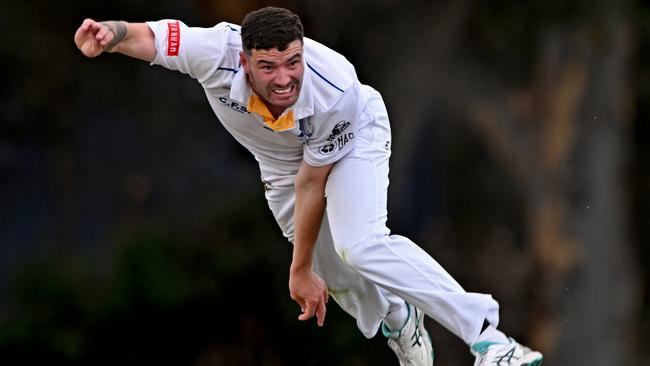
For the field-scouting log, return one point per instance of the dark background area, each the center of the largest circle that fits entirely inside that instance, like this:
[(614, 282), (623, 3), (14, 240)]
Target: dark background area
[(134, 229)]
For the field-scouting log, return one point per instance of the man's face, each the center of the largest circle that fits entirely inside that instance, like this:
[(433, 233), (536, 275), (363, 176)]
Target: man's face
[(275, 76)]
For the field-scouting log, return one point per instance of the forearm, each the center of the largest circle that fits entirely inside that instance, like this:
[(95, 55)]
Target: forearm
[(308, 216), (308, 212), (132, 39), (305, 286)]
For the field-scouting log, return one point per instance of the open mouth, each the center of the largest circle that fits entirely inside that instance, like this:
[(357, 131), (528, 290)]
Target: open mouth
[(284, 91)]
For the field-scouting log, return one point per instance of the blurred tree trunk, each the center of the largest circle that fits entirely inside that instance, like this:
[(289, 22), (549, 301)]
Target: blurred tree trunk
[(573, 173), (564, 139)]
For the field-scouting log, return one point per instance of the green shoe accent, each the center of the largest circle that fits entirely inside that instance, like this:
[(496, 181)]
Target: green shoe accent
[(481, 347), (433, 353)]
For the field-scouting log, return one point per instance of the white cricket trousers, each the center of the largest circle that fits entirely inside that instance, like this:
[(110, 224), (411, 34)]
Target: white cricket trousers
[(368, 271)]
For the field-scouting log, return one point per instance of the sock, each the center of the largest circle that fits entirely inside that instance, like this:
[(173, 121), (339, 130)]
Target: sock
[(492, 334), (396, 319)]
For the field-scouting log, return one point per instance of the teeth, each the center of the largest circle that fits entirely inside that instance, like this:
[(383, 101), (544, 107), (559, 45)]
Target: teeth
[(282, 91)]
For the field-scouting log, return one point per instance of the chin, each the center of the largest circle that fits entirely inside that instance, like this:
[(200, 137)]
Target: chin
[(286, 104)]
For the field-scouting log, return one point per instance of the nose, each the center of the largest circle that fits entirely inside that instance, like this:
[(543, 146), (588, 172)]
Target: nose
[(282, 77)]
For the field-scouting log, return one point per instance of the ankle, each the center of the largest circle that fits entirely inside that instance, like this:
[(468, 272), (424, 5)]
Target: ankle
[(492, 334), (397, 318)]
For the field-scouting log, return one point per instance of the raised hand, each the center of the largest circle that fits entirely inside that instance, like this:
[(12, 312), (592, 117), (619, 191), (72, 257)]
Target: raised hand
[(92, 38)]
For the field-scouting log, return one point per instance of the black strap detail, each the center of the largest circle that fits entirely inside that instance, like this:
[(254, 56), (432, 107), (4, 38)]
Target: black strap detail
[(485, 326)]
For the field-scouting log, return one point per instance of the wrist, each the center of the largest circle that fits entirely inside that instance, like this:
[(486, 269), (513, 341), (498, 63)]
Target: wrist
[(119, 30), (298, 267), (301, 259)]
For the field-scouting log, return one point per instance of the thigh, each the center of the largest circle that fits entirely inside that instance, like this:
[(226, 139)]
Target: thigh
[(356, 193), (357, 186), (360, 298)]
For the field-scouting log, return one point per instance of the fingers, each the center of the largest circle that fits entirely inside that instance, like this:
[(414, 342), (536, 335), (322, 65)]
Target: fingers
[(320, 313), (103, 34), (82, 32), (314, 308), (106, 36), (311, 294), (301, 302), (89, 26), (90, 39), (87, 23), (309, 311), (94, 26)]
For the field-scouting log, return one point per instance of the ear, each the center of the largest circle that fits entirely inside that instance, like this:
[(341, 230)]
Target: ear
[(243, 59)]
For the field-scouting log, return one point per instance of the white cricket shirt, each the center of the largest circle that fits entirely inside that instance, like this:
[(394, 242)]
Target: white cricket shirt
[(320, 127)]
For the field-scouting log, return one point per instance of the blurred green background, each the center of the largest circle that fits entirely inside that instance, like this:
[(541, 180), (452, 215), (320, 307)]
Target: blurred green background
[(134, 230)]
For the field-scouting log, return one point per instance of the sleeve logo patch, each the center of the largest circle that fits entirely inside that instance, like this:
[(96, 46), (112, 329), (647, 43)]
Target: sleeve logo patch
[(337, 139), (306, 130), (338, 129), (173, 38)]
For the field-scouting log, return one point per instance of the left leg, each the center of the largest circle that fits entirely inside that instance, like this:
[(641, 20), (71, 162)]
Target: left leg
[(356, 208), (356, 193)]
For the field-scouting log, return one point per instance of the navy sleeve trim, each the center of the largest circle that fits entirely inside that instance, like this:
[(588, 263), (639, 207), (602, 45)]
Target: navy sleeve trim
[(322, 77), (231, 28)]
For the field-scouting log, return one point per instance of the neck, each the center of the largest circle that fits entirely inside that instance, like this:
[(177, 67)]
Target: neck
[(275, 110)]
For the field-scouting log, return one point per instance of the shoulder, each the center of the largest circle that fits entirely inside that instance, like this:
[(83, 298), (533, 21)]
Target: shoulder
[(330, 72), (223, 35)]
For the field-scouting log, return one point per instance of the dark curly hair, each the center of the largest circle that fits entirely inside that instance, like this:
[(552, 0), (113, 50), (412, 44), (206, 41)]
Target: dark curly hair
[(270, 27)]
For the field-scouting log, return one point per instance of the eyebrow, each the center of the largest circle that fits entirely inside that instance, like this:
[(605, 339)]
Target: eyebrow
[(296, 55), (265, 62)]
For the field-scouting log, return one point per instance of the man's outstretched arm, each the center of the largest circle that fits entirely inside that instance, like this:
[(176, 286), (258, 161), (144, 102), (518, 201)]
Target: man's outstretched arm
[(306, 288), (132, 39)]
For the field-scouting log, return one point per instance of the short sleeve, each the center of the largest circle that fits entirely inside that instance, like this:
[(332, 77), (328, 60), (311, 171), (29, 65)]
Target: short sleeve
[(198, 52), (334, 131)]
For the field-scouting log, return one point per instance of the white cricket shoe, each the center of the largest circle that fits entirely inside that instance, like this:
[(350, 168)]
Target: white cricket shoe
[(412, 343), (505, 354)]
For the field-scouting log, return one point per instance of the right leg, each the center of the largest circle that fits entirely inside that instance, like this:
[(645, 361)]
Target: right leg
[(360, 298), (365, 301), (369, 304)]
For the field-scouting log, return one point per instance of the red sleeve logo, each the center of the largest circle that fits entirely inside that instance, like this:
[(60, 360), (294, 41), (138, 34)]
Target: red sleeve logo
[(173, 38)]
